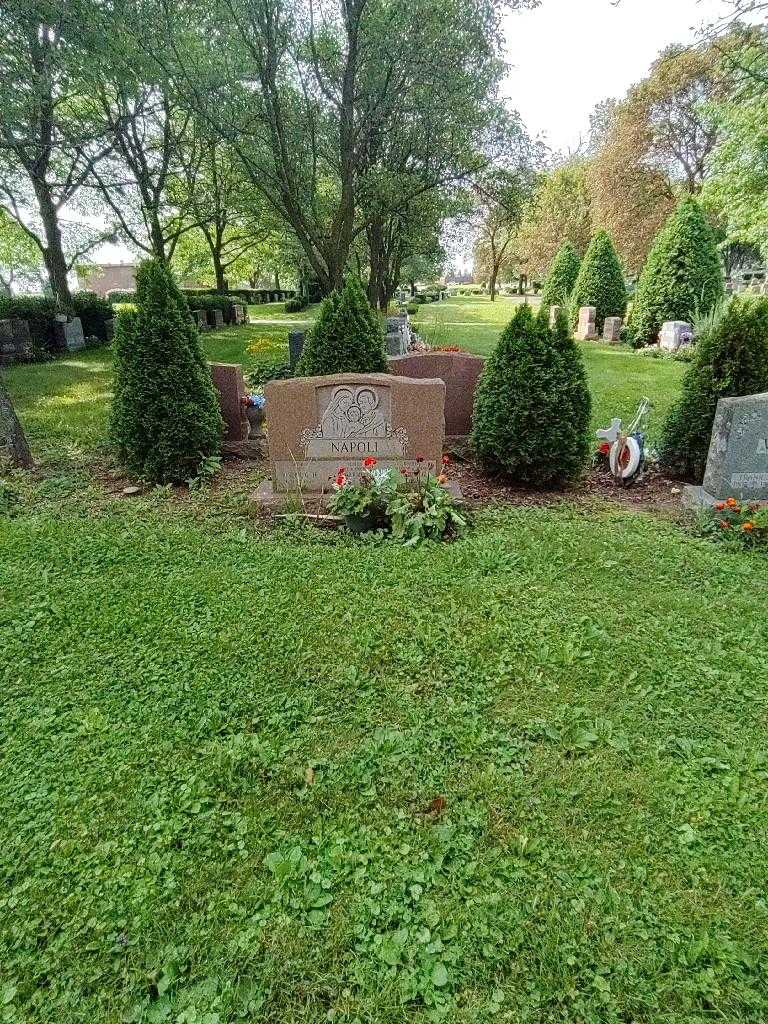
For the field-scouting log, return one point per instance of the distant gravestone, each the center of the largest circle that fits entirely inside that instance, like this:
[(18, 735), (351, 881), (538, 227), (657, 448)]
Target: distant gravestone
[(587, 329), (554, 313), (68, 334), (22, 337), (217, 318), (612, 329), (295, 346), (737, 464), (317, 424), (241, 314), (459, 370), (201, 318), (109, 328), (675, 334)]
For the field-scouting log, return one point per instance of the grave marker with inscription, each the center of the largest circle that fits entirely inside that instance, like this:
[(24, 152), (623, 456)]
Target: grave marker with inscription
[(317, 424), (737, 464)]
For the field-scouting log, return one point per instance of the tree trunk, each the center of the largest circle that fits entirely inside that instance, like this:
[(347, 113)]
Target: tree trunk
[(53, 254), (492, 283), (13, 443), (218, 270), (277, 281)]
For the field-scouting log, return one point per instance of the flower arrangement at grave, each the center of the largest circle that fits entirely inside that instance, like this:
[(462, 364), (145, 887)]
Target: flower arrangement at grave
[(411, 506), (742, 524)]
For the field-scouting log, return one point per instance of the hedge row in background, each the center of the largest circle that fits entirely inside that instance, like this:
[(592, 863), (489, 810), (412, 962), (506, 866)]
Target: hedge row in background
[(194, 298), (40, 312)]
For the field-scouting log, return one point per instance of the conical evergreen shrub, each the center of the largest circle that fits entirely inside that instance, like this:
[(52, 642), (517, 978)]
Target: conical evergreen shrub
[(682, 276), (561, 277), (347, 336), (165, 415), (600, 282), (731, 360), (532, 408)]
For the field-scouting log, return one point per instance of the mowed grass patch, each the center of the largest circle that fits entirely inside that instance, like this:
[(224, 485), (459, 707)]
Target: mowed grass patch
[(299, 778)]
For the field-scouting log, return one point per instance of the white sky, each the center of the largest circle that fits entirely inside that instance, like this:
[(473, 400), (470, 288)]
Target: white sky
[(567, 55)]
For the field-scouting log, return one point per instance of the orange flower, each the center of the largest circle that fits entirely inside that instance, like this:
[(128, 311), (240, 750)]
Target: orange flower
[(724, 524), (442, 479), (720, 505), (748, 526), (732, 503)]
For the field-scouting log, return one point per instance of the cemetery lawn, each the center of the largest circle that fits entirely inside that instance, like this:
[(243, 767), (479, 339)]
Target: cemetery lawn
[(282, 776)]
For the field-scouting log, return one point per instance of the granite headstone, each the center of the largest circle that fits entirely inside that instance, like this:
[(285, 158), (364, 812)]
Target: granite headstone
[(317, 424), (737, 464)]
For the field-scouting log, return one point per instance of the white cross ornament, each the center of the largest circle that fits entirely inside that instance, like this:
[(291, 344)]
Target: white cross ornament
[(611, 434)]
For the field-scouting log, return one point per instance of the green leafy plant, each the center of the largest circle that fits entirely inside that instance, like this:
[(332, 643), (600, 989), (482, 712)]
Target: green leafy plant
[(561, 277), (347, 336), (682, 276), (532, 407), (413, 507), (730, 359), (165, 418), (743, 524), (600, 282), (209, 467)]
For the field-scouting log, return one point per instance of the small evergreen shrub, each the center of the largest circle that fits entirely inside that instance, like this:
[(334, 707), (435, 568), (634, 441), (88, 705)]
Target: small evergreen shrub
[(682, 277), (165, 420), (730, 360), (296, 305), (532, 408), (561, 277), (600, 282), (347, 336)]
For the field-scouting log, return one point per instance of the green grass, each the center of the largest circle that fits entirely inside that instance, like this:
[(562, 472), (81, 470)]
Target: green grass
[(219, 741), (64, 404), (218, 745)]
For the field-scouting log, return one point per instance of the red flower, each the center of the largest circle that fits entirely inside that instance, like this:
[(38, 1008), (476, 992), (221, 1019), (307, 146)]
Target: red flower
[(370, 462), (724, 524), (446, 460), (719, 506), (419, 458)]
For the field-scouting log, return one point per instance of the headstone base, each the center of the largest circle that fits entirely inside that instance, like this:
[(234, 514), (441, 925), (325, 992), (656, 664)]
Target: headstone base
[(270, 500), (695, 497)]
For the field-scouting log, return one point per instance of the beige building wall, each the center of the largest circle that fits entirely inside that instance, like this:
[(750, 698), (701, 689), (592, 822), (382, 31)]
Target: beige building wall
[(104, 277)]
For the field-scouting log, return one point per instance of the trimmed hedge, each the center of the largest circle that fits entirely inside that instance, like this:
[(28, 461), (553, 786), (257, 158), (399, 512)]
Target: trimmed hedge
[(730, 360), (682, 277), (94, 311), (532, 407), (296, 305), (600, 282), (347, 336), (195, 299), (165, 418)]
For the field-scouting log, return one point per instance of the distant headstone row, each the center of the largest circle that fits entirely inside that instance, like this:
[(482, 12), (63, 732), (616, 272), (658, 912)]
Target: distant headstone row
[(213, 319), (16, 338)]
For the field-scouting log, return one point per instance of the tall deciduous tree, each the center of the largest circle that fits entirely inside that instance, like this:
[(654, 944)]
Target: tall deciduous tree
[(49, 141), (560, 211), (326, 105)]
